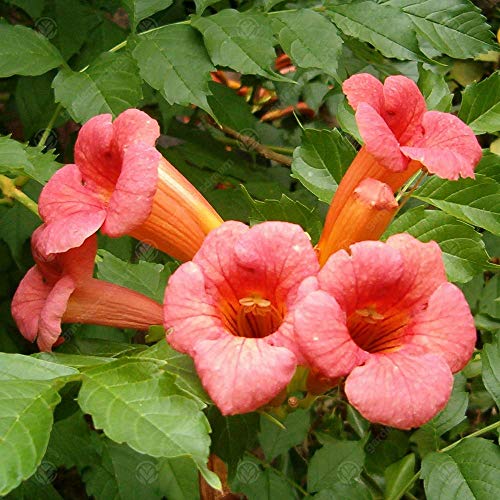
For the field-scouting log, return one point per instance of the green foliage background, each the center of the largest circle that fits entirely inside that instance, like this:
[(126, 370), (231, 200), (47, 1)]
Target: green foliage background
[(110, 414)]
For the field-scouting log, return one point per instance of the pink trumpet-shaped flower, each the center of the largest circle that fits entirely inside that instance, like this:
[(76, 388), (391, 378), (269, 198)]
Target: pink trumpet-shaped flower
[(60, 289), (385, 317), (122, 185), (231, 309), (396, 127)]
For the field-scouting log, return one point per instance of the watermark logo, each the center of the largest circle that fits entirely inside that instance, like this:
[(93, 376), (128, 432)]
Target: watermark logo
[(248, 139), (146, 24), (348, 472), (248, 27), (145, 250), (46, 473), (46, 26), (247, 472), (147, 472), (50, 138)]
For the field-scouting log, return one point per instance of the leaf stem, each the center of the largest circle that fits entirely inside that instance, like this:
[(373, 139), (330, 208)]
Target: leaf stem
[(10, 190)]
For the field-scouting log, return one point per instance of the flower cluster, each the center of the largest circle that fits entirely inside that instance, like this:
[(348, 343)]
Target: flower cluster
[(251, 304)]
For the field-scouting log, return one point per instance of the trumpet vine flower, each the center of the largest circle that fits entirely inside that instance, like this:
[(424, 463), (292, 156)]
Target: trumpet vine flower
[(400, 138), (122, 185), (386, 317), (231, 309), (61, 289)]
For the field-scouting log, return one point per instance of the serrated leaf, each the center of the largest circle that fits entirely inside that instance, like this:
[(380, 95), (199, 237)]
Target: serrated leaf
[(174, 61), (480, 107), (288, 210), (309, 39), (26, 419), (110, 85), (341, 461), (469, 471), (464, 254), (491, 369), (241, 40), (397, 476), (476, 201), (489, 166), (144, 277), (135, 402), (232, 435), (435, 90), (68, 25), (23, 51), (388, 29), (275, 440), (140, 9), (320, 162), (454, 27), (20, 367)]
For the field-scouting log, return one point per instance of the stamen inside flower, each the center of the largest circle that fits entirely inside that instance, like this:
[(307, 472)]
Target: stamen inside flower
[(375, 332), (252, 317)]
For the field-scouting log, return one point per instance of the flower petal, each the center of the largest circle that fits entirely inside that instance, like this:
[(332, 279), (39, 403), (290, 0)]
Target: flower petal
[(28, 302), (448, 149), (445, 327), (364, 88), (132, 199), (240, 374), (71, 211), (134, 126), (404, 107), (279, 255), (189, 313), (52, 313), (322, 335), (400, 389), (100, 168), (380, 142), (371, 276), (423, 269)]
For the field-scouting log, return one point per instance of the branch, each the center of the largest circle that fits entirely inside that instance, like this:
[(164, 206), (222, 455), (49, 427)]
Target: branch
[(10, 190), (252, 144)]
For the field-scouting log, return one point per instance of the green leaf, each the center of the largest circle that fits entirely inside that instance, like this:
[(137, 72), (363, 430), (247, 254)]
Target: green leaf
[(20, 367), (178, 478), (385, 27), (480, 107), (288, 210), (320, 162), (231, 109), (144, 277), (77, 361), (23, 51), (454, 27), (275, 441), (241, 40), (435, 90), (341, 461), (353, 490), (21, 159), (232, 435), (71, 443), (489, 166), (26, 419), (135, 402), (110, 85), (309, 39), (471, 470), (476, 201), (491, 369), (174, 61), (68, 25), (140, 9), (201, 5), (32, 7), (463, 250), (397, 476), (256, 483)]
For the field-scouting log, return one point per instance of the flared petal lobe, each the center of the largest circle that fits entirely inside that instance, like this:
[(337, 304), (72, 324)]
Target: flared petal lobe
[(385, 317), (232, 307)]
